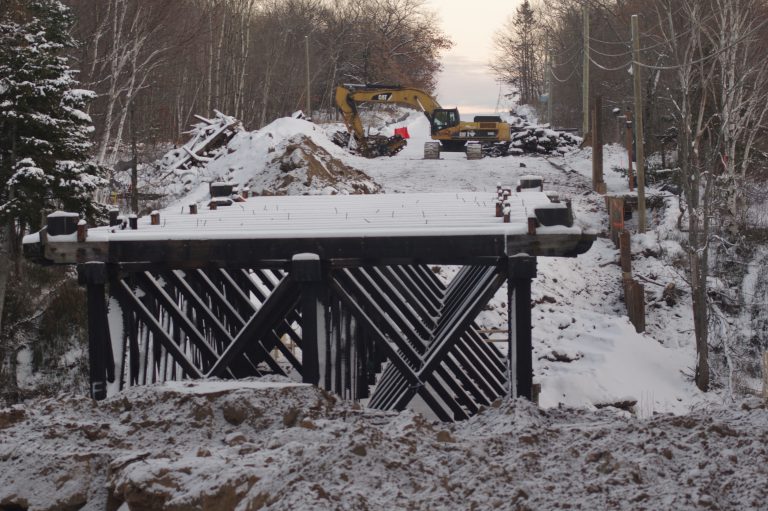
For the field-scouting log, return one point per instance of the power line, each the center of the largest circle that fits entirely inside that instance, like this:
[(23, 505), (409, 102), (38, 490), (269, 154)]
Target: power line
[(573, 71), (604, 68), (612, 55), (625, 43), (577, 54)]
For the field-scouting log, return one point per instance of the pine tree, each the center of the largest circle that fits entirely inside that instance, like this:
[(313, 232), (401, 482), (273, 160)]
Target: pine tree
[(44, 139), (44, 132), (518, 62)]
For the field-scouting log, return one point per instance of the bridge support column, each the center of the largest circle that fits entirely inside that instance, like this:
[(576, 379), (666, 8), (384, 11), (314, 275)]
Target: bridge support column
[(100, 360), (520, 272), (307, 270)]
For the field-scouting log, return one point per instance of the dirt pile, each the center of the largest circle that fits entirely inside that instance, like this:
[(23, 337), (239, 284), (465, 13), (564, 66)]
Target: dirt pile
[(301, 166)]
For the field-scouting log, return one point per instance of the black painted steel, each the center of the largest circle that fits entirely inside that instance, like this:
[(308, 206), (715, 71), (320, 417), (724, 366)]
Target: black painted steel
[(401, 330)]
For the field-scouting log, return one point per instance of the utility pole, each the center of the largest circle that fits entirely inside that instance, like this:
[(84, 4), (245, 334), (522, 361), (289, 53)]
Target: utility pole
[(598, 183), (550, 75), (628, 144), (585, 73), (639, 138), (306, 46)]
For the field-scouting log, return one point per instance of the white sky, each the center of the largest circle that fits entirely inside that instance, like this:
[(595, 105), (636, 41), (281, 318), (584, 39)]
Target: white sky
[(466, 82)]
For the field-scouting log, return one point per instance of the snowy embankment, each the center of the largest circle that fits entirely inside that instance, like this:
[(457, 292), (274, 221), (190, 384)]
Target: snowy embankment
[(252, 445)]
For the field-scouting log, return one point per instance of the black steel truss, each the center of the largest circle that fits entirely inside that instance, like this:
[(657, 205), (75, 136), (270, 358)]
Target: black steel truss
[(397, 331)]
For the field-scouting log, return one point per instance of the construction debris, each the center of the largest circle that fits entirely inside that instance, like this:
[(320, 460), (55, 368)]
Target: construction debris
[(208, 137)]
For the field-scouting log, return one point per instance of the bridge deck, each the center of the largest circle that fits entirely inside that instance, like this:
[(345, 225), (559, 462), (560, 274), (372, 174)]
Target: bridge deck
[(440, 228)]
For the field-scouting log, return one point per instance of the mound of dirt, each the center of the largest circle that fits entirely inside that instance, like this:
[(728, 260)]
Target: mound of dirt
[(303, 167), (287, 157), (221, 445)]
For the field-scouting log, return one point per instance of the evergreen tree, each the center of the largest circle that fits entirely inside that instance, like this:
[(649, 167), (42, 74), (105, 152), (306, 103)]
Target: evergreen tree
[(518, 48), (44, 132), (44, 142)]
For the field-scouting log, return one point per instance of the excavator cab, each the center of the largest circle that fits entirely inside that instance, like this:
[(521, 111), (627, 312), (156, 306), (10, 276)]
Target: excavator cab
[(443, 118)]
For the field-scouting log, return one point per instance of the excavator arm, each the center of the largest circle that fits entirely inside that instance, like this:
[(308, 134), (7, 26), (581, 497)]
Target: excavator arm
[(349, 96), (448, 131)]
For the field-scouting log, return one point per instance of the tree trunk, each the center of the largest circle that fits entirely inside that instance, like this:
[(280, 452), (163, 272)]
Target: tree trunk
[(134, 167), (6, 264), (700, 320)]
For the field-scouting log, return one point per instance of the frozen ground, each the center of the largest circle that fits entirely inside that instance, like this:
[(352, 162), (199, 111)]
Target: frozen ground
[(253, 446), (246, 447)]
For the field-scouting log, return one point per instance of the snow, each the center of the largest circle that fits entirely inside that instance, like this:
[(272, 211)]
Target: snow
[(413, 214), (621, 425), (220, 445), (216, 387), (63, 214), (306, 257)]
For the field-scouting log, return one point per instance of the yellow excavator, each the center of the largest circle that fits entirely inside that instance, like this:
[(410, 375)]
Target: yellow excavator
[(487, 135)]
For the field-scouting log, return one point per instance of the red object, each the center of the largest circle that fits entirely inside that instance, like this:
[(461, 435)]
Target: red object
[(403, 132)]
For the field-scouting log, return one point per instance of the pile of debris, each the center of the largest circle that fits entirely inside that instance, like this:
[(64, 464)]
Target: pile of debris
[(290, 156), (540, 139), (209, 136), (303, 167)]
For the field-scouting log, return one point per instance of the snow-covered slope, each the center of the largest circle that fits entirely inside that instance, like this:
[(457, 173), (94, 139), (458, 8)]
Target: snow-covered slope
[(287, 157)]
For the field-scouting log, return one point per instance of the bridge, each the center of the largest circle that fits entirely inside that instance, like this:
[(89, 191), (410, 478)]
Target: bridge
[(340, 290)]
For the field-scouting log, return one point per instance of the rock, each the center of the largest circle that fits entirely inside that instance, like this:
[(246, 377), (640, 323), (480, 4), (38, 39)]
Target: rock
[(605, 461), (669, 295), (291, 417), (556, 356), (11, 416), (445, 436), (307, 424), (359, 450), (235, 438), (234, 413), (625, 404)]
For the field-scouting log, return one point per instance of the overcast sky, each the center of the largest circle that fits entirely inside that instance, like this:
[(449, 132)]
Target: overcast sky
[(466, 82)]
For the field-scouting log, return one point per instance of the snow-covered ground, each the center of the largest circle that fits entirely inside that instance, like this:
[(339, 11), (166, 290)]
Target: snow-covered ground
[(252, 445)]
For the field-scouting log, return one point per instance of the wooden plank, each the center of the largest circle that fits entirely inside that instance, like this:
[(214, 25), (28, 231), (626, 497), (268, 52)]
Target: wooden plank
[(616, 212), (625, 247), (473, 303)]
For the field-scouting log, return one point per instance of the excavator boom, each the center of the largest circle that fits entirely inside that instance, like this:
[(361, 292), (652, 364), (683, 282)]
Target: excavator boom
[(446, 127)]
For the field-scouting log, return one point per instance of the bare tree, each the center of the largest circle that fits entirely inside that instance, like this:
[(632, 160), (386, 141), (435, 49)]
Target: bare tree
[(245, 57), (714, 52), (742, 97)]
